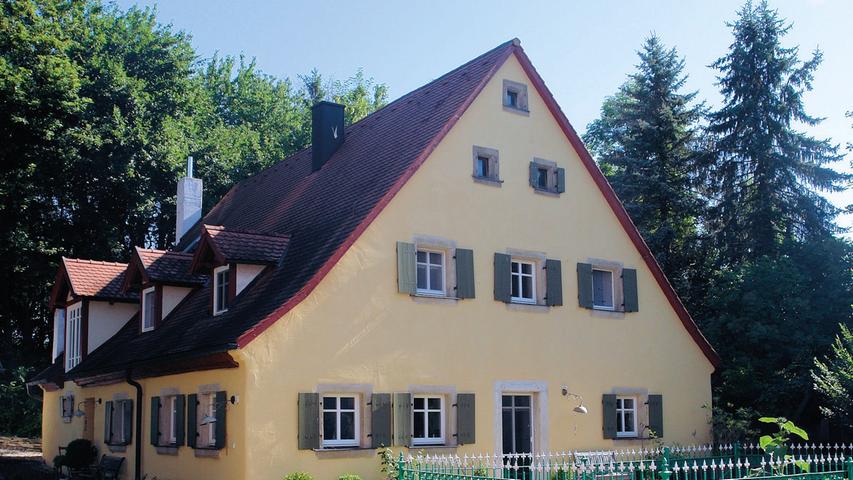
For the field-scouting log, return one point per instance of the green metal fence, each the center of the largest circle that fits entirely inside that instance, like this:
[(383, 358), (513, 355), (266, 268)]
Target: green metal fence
[(726, 463)]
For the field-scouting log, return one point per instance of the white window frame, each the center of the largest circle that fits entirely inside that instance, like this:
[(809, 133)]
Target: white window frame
[(520, 276), (333, 443), (216, 272), (146, 305), (428, 291), (58, 332), (426, 410), (211, 427), (73, 347), (172, 402), (612, 306), (620, 416)]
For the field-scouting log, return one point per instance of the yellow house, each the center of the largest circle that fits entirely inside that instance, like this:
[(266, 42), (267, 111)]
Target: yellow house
[(451, 274)]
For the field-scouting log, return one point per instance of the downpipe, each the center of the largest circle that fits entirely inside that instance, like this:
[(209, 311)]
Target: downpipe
[(137, 467)]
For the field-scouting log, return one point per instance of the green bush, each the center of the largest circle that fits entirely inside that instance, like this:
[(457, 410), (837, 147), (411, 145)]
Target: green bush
[(298, 476), (349, 476), (80, 453), (20, 415)]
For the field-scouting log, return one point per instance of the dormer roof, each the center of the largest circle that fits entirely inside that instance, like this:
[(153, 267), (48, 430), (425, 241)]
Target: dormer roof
[(89, 278), (218, 246), (161, 266)]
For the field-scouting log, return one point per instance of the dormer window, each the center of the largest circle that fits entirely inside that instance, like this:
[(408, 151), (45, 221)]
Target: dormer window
[(73, 347), (221, 282), (149, 311)]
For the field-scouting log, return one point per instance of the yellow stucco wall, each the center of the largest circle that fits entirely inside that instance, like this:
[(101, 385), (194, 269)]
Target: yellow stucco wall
[(356, 329), (185, 465)]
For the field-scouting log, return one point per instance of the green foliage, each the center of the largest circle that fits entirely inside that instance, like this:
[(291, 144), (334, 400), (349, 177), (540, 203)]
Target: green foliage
[(80, 453), (349, 476), (646, 143), (833, 378), (775, 444), (298, 476), (731, 424), (20, 415), (763, 174), (387, 463)]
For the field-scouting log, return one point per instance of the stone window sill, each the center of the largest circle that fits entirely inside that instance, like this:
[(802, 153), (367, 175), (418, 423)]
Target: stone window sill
[(206, 452), (167, 449), (527, 307), (518, 111), (439, 299), (493, 182), (117, 448)]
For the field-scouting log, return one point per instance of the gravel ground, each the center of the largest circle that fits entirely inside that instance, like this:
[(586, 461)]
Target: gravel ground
[(20, 459)]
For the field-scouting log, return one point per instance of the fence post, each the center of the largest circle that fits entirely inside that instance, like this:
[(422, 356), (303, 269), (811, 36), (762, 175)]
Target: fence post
[(849, 464), (400, 468), (737, 450), (665, 473)]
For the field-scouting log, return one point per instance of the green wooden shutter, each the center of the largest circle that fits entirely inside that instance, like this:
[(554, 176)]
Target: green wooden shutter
[(553, 282), (127, 410), (608, 402), (155, 421), (464, 273), (221, 403), (179, 419), (381, 423), (629, 290), (585, 285), (403, 419), (533, 174), (561, 180), (503, 277), (309, 421), (656, 415), (407, 281), (466, 431), (192, 420), (108, 422)]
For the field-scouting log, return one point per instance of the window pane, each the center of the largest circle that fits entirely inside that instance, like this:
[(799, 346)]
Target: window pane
[(542, 181), (618, 403), (629, 403), (434, 403), (418, 424), (435, 258), (434, 426), (330, 403), (436, 279), (347, 403), (506, 401), (522, 401), (602, 288), (515, 285), (419, 403), (619, 422), (422, 256), (514, 267), (508, 444), (347, 425), (629, 421), (422, 277), (527, 287), (329, 426), (526, 268)]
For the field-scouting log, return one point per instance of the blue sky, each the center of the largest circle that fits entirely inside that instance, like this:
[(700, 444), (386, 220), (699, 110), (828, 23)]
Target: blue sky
[(583, 49)]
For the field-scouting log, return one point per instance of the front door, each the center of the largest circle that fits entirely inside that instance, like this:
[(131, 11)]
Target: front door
[(517, 422), (89, 419)]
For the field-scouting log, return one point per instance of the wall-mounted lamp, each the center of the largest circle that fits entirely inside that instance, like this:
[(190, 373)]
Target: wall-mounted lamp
[(208, 419), (580, 408), (80, 412)]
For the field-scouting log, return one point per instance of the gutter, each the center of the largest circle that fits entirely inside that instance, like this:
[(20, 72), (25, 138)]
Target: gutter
[(137, 467)]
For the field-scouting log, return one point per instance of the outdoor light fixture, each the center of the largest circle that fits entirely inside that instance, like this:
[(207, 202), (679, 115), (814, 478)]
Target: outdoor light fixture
[(580, 408), (208, 419), (80, 412)]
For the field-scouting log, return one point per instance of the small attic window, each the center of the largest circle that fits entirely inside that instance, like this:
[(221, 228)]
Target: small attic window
[(486, 166), (515, 97), (221, 282)]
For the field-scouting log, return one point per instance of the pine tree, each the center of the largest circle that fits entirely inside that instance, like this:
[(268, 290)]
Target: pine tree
[(645, 143), (765, 175)]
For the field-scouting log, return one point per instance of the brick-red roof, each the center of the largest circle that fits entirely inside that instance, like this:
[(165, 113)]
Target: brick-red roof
[(247, 246), (168, 267), (94, 278), (325, 211)]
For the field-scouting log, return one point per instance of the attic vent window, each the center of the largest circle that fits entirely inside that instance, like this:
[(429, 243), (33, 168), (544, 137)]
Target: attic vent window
[(515, 97), (486, 166)]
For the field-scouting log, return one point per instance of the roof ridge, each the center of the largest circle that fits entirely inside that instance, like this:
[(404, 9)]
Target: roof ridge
[(221, 228), (164, 252), (93, 262)]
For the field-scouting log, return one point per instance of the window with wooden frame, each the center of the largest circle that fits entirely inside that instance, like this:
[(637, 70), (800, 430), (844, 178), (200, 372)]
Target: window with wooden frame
[(523, 281), (58, 332), (428, 422), (626, 416), (486, 165), (340, 420), (149, 309), (73, 337), (515, 96), (431, 272), (118, 422), (547, 177), (221, 284), (603, 297), (66, 407)]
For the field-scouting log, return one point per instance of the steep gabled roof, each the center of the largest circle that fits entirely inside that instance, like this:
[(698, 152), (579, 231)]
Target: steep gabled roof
[(324, 213), (89, 278), (161, 266)]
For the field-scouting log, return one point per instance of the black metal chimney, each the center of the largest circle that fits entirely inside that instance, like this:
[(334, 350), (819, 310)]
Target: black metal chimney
[(327, 132)]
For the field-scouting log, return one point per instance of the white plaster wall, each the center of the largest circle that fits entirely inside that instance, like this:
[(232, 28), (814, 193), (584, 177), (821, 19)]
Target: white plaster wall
[(172, 296), (106, 319), (247, 273)]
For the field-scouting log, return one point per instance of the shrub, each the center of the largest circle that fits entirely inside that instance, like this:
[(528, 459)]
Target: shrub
[(80, 453), (298, 476), (349, 476)]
